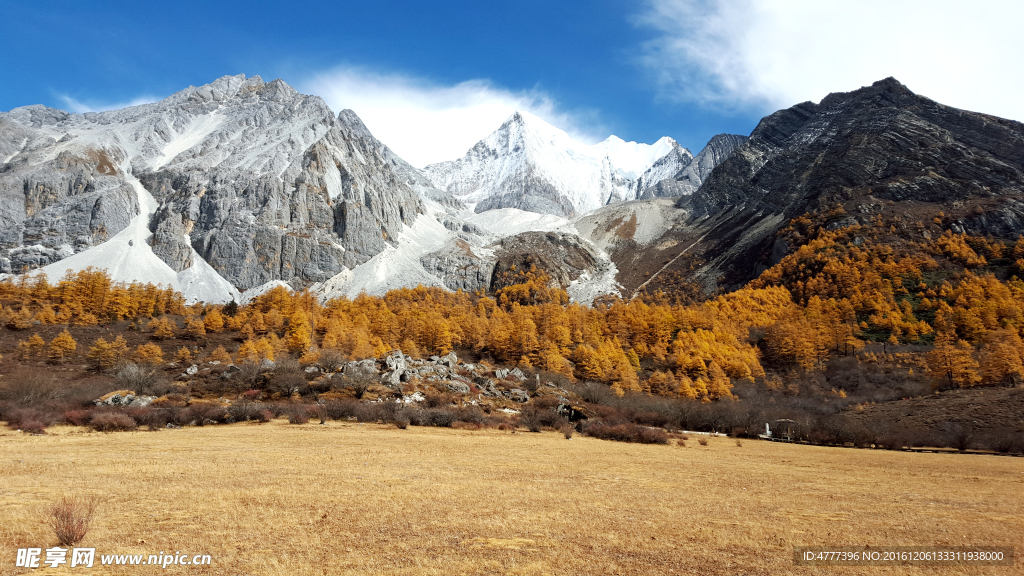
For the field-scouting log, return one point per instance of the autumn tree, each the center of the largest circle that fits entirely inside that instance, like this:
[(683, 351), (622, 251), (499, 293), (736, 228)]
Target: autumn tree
[(952, 363), (62, 346), (162, 328), (194, 328), (101, 356), (149, 354), (219, 354)]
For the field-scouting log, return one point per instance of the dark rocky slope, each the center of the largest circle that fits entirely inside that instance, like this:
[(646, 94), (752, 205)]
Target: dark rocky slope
[(878, 150)]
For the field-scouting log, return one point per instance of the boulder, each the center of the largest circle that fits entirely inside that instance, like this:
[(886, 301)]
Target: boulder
[(458, 386), (486, 386), (518, 395), (395, 361), (361, 369)]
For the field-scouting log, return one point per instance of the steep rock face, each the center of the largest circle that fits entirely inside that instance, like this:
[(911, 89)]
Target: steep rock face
[(261, 182), (530, 165), (880, 144), (57, 201)]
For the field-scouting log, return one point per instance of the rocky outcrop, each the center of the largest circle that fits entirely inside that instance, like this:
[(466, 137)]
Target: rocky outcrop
[(564, 257), (459, 267)]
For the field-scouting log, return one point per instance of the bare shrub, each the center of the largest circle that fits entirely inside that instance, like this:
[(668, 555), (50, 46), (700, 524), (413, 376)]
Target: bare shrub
[(681, 443), (131, 376), (206, 414), (626, 432), (331, 360), (298, 417), (245, 411), (739, 443), (287, 383), (34, 389), (567, 431), (249, 374), (595, 393), (78, 417), (439, 417), (653, 436), (71, 517), (112, 422), (318, 412), (401, 422), (340, 409), (702, 441), (32, 426), (959, 437)]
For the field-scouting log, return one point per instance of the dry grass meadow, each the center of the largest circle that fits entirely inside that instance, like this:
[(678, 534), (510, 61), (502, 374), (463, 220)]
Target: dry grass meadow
[(368, 499)]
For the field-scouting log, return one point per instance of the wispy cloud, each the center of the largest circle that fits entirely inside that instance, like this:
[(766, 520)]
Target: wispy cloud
[(426, 122), (79, 107), (769, 54)]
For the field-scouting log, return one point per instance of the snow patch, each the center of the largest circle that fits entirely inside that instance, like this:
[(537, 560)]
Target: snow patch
[(511, 221)]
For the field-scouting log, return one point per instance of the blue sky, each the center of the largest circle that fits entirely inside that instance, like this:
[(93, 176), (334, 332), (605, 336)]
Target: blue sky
[(414, 70)]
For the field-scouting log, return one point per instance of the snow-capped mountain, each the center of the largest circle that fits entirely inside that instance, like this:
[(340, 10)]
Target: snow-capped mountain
[(531, 165), (226, 189)]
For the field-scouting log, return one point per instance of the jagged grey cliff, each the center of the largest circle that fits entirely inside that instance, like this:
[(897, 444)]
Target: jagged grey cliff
[(259, 181)]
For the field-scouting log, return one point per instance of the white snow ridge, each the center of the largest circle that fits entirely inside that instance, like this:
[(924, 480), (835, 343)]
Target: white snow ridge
[(531, 165)]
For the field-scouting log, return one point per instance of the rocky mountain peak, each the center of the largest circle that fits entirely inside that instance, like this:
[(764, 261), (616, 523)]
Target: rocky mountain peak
[(878, 143)]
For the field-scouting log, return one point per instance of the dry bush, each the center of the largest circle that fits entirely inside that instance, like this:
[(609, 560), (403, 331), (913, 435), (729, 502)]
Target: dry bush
[(681, 443), (298, 416), (206, 414), (401, 422), (249, 373), (567, 431), (132, 376), (702, 441), (112, 422), (71, 517), (626, 433), (34, 389), (78, 417), (439, 417), (340, 409), (245, 410), (331, 360), (317, 411), (739, 442)]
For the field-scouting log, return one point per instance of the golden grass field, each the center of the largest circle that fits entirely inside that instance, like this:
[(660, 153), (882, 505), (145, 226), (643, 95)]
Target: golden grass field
[(370, 499)]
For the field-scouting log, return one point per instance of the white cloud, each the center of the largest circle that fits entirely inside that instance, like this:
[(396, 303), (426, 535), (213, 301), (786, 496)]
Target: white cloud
[(425, 122), (79, 107), (770, 54)]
